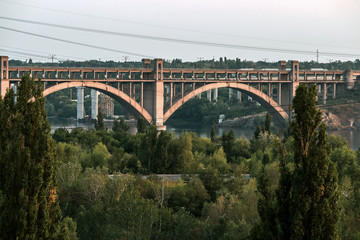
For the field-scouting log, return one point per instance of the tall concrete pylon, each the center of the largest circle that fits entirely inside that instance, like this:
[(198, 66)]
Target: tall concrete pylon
[(215, 94), (94, 103), (80, 114)]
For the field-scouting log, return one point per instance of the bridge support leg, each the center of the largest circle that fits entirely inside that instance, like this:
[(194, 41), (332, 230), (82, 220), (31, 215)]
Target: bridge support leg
[(239, 96), (334, 91), (171, 93), (4, 75), (208, 94), (324, 94), (287, 93), (94, 104), (80, 103), (158, 115), (215, 94), (279, 94), (230, 93)]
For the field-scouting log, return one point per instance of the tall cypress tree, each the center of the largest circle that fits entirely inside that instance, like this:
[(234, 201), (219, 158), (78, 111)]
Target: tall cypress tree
[(99, 122), (314, 194), (28, 209)]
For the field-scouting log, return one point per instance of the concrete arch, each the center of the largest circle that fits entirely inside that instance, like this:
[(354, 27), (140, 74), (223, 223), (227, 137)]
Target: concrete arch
[(129, 103), (273, 107)]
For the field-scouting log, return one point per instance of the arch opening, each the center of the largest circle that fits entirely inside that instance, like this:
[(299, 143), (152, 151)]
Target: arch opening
[(263, 99), (125, 100)]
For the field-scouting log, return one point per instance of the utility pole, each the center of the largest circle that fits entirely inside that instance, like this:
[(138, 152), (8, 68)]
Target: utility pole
[(317, 55), (125, 58), (52, 56), (200, 58)]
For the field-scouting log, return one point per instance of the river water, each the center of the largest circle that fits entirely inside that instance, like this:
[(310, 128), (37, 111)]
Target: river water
[(353, 136)]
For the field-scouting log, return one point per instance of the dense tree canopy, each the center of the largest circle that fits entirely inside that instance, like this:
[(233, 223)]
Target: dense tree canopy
[(29, 206)]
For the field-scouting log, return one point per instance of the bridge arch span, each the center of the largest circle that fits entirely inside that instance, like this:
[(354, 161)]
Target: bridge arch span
[(270, 105), (130, 104)]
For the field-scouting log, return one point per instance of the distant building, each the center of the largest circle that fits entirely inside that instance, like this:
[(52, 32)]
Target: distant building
[(106, 105)]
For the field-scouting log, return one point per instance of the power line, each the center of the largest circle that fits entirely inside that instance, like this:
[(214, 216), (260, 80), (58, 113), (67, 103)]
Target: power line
[(172, 27), (183, 41), (41, 52), (76, 43)]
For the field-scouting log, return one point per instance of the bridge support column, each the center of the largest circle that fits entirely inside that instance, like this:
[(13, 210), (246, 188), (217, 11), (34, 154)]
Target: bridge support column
[(171, 93), (94, 104), (208, 94), (287, 95), (4, 75), (215, 94), (80, 103), (349, 79), (239, 96), (182, 90), (142, 94), (324, 93), (230, 93), (279, 94), (158, 115), (334, 91)]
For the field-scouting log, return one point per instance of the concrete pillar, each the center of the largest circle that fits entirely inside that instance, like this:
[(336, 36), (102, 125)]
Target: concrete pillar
[(239, 96), (171, 93), (4, 75), (334, 91), (230, 93), (279, 93), (349, 79), (215, 94), (208, 94), (324, 94), (80, 103), (130, 90), (94, 104), (133, 90), (182, 90), (142, 94), (158, 115)]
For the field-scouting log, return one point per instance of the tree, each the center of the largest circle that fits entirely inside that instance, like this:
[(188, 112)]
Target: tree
[(141, 125), (213, 133), (99, 123), (266, 228), (314, 194), (29, 207), (268, 123)]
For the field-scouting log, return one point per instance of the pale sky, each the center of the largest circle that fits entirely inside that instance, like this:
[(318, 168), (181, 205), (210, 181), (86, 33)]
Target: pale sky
[(330, 26)]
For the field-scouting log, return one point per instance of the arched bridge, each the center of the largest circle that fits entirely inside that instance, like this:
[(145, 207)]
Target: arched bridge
[(156, 93)]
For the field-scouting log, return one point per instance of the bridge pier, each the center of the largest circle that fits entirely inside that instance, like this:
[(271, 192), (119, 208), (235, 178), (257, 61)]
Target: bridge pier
[(94, 104), (215, 94), (239, 96), (4, 73), (324, 93), (80, 103), (208, 95)]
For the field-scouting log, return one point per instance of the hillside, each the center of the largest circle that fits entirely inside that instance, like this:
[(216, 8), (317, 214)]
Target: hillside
[(343, 111)]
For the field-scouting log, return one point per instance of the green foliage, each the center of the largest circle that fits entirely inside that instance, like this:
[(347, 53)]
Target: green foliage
[(314, 204), (29, 209), (141, 125), (99, 122), (229, 188), (213, 133)]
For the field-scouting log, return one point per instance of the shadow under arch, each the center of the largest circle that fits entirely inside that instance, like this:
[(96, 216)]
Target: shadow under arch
[(270, 105), (130, 104)]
